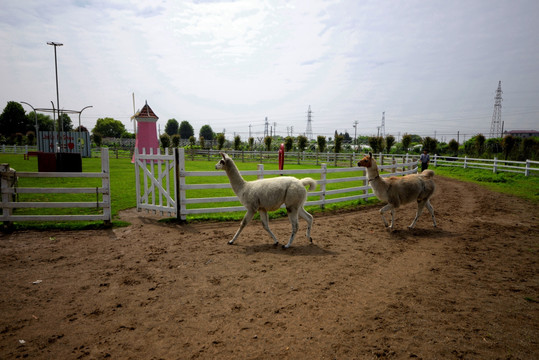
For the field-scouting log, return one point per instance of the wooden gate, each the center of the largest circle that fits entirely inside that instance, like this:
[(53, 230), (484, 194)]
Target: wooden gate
[(156, 183)]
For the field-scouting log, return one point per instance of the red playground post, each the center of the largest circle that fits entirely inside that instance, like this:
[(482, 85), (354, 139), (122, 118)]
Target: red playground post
[(281, 157)]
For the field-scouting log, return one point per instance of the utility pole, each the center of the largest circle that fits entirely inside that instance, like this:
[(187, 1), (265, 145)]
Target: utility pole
[(61, 125), (355, 132), (250, 130), (266, 125)]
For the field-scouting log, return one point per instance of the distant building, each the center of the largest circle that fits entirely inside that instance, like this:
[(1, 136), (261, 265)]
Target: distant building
[(522, 133)]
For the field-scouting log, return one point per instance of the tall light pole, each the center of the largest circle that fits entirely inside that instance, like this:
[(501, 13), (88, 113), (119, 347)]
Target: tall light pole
[(61, 127), (37, 126), (80, 112)]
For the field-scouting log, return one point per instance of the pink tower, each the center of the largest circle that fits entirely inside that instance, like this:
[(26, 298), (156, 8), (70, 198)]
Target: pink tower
[(146, 131)]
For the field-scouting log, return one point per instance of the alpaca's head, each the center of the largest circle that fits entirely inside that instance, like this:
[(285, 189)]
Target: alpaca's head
[(367, 161), (221, 165)]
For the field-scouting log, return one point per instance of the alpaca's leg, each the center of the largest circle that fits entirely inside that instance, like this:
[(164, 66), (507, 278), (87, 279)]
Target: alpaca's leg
[(248, 216), (392, 218), (420, 206), (265, 223), (431, 210), (309, 218), (293, 217), (383, 210)]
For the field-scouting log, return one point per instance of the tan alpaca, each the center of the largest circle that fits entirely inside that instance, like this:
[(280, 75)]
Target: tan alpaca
[(398, 191), (268, 195)]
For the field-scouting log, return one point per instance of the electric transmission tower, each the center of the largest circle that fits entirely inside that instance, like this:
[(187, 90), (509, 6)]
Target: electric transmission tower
[(496, 124), (383, 126), (266, 130), (309, 131)]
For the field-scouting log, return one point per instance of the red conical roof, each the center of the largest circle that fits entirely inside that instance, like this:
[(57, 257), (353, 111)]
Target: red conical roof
[(146, 113)]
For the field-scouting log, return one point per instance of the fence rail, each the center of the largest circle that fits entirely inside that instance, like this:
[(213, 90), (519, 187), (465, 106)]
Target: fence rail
[(9, 205), (154, 191), (495, 165)]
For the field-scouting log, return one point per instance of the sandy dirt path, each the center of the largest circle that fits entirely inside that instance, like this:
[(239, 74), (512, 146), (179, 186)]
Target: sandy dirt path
[(468, 289)]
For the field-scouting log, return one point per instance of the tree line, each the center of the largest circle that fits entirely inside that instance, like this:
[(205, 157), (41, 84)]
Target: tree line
[(17, 127)]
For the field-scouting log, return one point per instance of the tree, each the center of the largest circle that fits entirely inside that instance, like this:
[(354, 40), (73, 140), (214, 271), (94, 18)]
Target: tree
[(251, 143), (108, 127), (186, 130), (175, 140), (480, 144), (406, 141), (508, 143), (165, 140), (321, 140), (65, 124), (171, 128), (530, 148), (302, 142), (237, 142), (453, 147), (192, 141), (430, 144), (202, 142), (97, 139), (13, 119), (44, 122), (390, 141), (338, 144), (206, 132), (288, 143), (493, 145), (267, 141), (376, 143), (220, 141)]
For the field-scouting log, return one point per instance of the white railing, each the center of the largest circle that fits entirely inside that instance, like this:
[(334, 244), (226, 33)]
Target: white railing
[(155, 193), (14, 149), (495, 165), (9, 191)]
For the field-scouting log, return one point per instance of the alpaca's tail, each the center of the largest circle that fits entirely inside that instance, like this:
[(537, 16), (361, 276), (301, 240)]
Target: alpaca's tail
[(427, 173), (308, 181)]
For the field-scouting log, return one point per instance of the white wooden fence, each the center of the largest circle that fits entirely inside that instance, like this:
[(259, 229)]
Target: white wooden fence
[(527, 167), (155, 186), (9, 191)]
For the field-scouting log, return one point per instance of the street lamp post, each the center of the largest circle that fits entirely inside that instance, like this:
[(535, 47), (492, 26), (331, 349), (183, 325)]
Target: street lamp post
[(37, 126), (61, 127)]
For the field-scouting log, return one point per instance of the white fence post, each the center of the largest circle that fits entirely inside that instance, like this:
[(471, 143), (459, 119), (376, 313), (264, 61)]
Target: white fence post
[(527, 169), (323, 185), (495, 166), (105, 184), (181, 197), (260, 168), (465, 162)]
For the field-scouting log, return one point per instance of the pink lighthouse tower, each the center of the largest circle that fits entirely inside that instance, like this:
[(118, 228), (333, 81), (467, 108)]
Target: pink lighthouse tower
[(146, 131)]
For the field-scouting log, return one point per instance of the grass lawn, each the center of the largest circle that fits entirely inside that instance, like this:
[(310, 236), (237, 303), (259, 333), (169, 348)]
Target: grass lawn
[(123, 194)]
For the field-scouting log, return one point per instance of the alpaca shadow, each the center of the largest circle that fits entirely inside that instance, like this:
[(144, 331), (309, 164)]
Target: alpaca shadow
[(294, 250)]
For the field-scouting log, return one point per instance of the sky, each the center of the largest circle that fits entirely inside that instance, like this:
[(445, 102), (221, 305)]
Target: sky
[(432, 66)]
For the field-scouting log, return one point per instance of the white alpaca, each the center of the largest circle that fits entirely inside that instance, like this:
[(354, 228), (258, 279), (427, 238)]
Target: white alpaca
[(400, 190), (268, 195)]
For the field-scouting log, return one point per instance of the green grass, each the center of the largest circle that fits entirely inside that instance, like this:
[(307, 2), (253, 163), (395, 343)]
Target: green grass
[(526, 187), (123, 188)]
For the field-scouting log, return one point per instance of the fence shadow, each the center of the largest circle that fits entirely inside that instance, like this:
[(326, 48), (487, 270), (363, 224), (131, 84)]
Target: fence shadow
[(297, 249)]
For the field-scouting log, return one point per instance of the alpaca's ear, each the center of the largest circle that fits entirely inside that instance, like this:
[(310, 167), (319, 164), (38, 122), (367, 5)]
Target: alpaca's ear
[(223, 155), (370, 154)]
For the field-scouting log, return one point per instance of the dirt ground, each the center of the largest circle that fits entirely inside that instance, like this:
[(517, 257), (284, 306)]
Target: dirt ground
[(468, 289)]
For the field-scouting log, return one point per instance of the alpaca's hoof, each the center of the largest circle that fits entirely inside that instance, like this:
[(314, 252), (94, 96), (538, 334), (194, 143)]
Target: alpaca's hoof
[(311, 240), (275, 244), (231, 242), (285, 247)]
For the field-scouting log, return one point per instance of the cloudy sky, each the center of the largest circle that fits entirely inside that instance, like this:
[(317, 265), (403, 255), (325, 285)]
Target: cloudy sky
[(432, 66)]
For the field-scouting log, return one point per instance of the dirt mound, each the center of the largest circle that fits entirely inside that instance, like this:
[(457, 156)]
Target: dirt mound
[(466, 289)]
